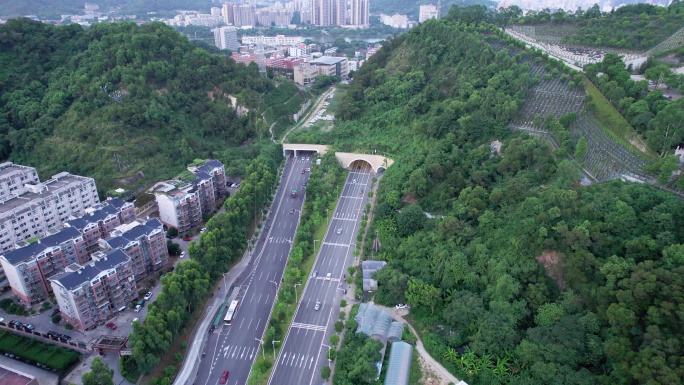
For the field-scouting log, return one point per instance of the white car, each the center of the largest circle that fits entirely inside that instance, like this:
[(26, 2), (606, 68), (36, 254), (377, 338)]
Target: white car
[(327, 277), (182, 255), (135, 319), (401, 306), (137, 309), (353, 180), (339, 231), (317, 306), (148, 296), (203, 230)]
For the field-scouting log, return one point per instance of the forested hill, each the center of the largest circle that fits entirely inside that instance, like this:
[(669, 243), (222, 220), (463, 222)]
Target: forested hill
[(524, 276), (52, 9), (122, 103), (411, 7)]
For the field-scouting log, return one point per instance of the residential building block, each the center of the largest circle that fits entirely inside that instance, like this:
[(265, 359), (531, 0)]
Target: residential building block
[(88, 295), (144, 243)]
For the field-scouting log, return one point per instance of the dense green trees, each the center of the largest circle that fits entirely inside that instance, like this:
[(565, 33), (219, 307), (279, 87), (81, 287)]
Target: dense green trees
[(99, 374), (118, 100), (539, 279)]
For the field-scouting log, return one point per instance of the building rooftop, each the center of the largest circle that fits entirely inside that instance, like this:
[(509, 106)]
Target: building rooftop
[(368, 268), (72, 280), (117, 203), (94, 217), (210, 165), (12, 376), (22, 254), (121, 239), (8, 168), (399, 366), (57, 184), (328, 60)]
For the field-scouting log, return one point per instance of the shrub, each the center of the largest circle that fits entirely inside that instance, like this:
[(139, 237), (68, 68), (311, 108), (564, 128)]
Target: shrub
[(339, 326), (343, 303), (68, 326)]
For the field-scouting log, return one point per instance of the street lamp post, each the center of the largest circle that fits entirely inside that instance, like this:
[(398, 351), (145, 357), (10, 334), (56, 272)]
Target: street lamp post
[(295, 289), (262, 347), (273, 342), (327, 355)]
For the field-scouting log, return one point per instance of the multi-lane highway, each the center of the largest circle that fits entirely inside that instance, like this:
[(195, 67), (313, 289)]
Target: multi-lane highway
[(233, 348), (304, 351)]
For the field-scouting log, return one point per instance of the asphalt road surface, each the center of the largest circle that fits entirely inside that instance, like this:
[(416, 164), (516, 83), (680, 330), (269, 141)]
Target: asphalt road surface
[(234, 348), (304, 351)]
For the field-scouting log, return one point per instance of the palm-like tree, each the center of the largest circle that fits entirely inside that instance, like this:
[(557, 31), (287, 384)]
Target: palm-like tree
[(451, 355), (501, 368)]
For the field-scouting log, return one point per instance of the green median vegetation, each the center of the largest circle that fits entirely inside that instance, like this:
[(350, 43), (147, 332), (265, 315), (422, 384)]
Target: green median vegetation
[(321, 190), (54, 357)]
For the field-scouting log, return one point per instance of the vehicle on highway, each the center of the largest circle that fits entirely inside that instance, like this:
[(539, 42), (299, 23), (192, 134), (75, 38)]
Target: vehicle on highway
[(315, 274), (291, 211), (339, 231), (308, 169), (182, 254), (293, 194), (148, 296), (187, 239), (303, 171), (317, 306), (304, 183), (401, 306), (111, 325), (353, 180), (230, 314), (224, 377), (327, 277)]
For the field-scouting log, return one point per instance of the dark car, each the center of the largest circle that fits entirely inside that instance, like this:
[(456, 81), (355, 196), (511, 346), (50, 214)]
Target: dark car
[(53, 334), (66, 337), (303, 171), (55, 312), (30, 327)]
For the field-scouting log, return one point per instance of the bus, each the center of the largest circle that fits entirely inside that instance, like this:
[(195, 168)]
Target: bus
[(230, 314)]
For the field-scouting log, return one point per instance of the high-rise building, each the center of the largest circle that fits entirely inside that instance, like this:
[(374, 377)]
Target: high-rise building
[(90, 294), (272, 16), (428, 11), (321, 12), (28, 208), (239, 15), (339, 12), (359, 13), (226, 38)]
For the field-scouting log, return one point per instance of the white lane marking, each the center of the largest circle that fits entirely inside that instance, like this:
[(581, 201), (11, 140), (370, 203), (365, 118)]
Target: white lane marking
[(259, 301), (310, 362), (250, 322), (308, 326), (241, 322), (284, 358)]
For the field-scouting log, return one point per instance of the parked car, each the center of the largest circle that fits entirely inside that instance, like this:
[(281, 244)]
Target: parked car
[(2, 319), (30, 327), (148, 296), (53, 334), (401, 306), (224, 377), (111, 325), (135, 319), (317, 306), (170, 269), (182, 254), (66, 337), (137, 309), (187, 239), (203, 230), (54, 312)]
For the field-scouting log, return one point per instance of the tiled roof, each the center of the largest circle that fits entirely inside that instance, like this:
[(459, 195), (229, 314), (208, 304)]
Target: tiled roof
[(22, 254), (133, 234), (73, 280)]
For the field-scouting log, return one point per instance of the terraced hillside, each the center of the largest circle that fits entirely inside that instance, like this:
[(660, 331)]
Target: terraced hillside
[(605, 158)]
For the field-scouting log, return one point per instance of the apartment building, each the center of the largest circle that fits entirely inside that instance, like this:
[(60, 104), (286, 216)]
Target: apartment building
[(144, 243), (88, 295), (29, 268), (226, 38), (35, 208), (239, 15), (359, 13), (428, 11), (101, 219), (182, 203), (273, 16), (13, 177), (305, 74), (331, 66), (273, 40)]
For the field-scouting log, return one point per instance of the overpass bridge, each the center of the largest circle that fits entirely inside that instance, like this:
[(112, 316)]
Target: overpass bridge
[(348, 160)]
